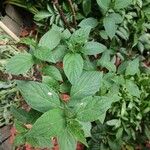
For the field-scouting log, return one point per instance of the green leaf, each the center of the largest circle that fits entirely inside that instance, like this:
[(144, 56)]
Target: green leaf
[(112, 122), (19, 114), (94, 107), (103, 34), (41, 53), (117, 17), (57, 54), (28, 41), (50, 40), (73, 66), (104, 4), (105, 62), (110, 26), (20, 64), (133, 67), (93, 48), (120, 4), (20, 126), (86, 126), (66, 34), (132, 88), (50, 124), (19, 140), (80, 36), (40, 141), (51, 82), (67, 141), (88, 84), (75, 129), (41, 15), (86, 5), (91, 22), (38, 95), (52, 71)]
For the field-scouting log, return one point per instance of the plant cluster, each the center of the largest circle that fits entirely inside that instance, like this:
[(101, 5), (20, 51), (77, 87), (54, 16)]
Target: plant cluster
[(88, 82)]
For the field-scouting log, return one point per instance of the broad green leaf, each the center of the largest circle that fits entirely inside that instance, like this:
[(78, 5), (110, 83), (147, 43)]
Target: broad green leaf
[(19, 126), (120, 4), (94, 107), (133, 67), (51, 82), (93, 48), (105, 62), (110, 26), (19, 114), (42, 15), (73, 66), (19, 140), (40, 141), (117, 17), (50, 40), (65, 87), (42, 53), (88, 84), (92, 22), (50, 124), (80, 36), (104, 4), (122, 67), (38, 95), (52, 71), (57, 54), (76, 130), (66, 34), (66, 141), (20, 64), (86, 5), (132, 88), (86, 126), (89, 66), (53, 56)]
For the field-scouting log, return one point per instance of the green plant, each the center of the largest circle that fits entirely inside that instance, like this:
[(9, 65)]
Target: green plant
[(69, 119), (105, 84), (7, 88), (127, 123)]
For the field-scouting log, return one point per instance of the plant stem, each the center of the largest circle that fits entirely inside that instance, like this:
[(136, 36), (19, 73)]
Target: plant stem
[(73, 12), (62, 15)]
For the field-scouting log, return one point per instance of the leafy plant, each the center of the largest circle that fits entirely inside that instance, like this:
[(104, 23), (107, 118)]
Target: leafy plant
[(86, 82), (69, 118)]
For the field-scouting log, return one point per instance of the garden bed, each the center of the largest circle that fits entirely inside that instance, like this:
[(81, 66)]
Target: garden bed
[(82, 76)]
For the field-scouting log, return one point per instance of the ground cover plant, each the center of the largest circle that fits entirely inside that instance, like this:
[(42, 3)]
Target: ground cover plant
[(86, 80), (7, 88)]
